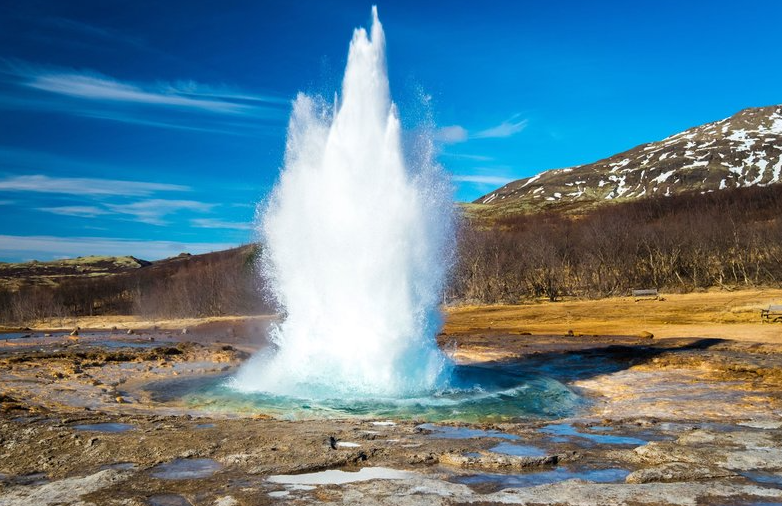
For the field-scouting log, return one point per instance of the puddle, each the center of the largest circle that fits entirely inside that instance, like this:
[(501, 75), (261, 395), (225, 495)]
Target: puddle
[(487, 483), (518, 450), (168, 500), (16, 335), (104, 427), (562, 433), (337, 477), (448, 432), (25, 479), (127, 344), (186, 469), (205, 426), (279, 493), (764, 477)]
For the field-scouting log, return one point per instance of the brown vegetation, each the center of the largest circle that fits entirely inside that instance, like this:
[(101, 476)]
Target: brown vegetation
[(215, 284), (677, 244)]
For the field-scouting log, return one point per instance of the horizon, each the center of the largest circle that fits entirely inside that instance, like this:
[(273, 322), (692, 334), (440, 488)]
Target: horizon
[(125, 133)]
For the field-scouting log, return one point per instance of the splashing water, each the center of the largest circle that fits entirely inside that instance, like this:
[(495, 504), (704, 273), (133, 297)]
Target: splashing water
[(357, 242)]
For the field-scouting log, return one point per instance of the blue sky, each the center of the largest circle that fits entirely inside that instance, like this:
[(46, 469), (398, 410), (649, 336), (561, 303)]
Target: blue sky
[(150, 128)]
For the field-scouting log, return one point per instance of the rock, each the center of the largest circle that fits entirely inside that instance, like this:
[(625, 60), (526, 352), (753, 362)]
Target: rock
[(130, 332), (185, 331), (645, 335), (570, 333), (488, 460), (75, 332), (677, 471), (119, 399), (114, 327)]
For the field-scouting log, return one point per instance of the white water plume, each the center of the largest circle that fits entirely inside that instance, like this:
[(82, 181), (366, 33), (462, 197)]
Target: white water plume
[(357, 241)]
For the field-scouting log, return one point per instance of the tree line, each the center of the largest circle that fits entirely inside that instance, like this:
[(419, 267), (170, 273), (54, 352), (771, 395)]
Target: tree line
[(214, 284), (730, 239)]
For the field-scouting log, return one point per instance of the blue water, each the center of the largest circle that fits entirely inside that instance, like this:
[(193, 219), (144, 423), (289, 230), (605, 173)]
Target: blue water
[(104, 427), (564, 432), (518, 450), (500, 481), (474, 394), (186, 469)]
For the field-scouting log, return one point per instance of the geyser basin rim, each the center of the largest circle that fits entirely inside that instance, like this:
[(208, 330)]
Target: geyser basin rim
[(479, 394)]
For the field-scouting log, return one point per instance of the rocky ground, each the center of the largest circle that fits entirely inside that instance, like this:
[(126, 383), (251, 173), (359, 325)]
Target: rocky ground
[(689, 421)]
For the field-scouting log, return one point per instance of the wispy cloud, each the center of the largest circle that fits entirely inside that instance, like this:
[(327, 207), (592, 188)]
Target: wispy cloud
[(183, 104), (84, 186), (154, 210), (451, 134), (97, 87), (466, 156), (216, 223), (455, 134), (505, 129), (482, 179), (80, 211), (17, 247)]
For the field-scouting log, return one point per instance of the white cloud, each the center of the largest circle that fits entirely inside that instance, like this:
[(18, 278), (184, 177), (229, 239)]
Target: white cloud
[(80, 211), (454, 134), (505, 129), (482, 179), (451, 134), (88, 93), (84, 186), (55, 247), (215, 223), (96, 87), (154, 210)]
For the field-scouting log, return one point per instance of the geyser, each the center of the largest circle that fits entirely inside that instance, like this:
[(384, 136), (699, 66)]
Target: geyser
[(357, 241)]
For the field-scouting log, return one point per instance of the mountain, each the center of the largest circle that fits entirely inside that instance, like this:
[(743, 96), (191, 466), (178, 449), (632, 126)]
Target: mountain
[(740, 151)]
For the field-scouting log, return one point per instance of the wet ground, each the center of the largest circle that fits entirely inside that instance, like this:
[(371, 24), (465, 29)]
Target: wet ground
[(102, 419)]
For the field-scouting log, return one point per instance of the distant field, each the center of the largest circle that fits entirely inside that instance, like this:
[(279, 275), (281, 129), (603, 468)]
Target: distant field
[(722, 314)]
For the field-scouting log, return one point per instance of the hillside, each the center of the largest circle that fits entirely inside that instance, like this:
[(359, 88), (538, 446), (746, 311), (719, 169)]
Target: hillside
[(737, 152), (14, 275)]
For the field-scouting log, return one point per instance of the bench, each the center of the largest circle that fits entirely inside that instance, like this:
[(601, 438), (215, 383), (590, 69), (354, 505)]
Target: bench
[(771, 315), (646, 294)]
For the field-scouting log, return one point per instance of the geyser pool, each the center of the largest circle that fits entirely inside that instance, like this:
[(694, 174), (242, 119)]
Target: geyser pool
[(500, 392), (357, 239)]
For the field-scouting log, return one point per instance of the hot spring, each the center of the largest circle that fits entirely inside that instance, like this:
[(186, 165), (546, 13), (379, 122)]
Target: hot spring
[(358, 237)]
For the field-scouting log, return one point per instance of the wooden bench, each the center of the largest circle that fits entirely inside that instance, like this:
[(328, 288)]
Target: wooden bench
[(646, 294), (771, 315)]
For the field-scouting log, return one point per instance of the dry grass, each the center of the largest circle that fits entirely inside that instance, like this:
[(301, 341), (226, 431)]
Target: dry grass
[(729, 315)]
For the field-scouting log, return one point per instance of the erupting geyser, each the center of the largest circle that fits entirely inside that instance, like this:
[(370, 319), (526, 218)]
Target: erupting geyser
[(357, 241)]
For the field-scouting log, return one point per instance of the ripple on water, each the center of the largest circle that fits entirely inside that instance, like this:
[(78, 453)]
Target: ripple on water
[(104, 427), (168, 500), (490, 482), (563, 432), (186, 469), (518, 450)]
